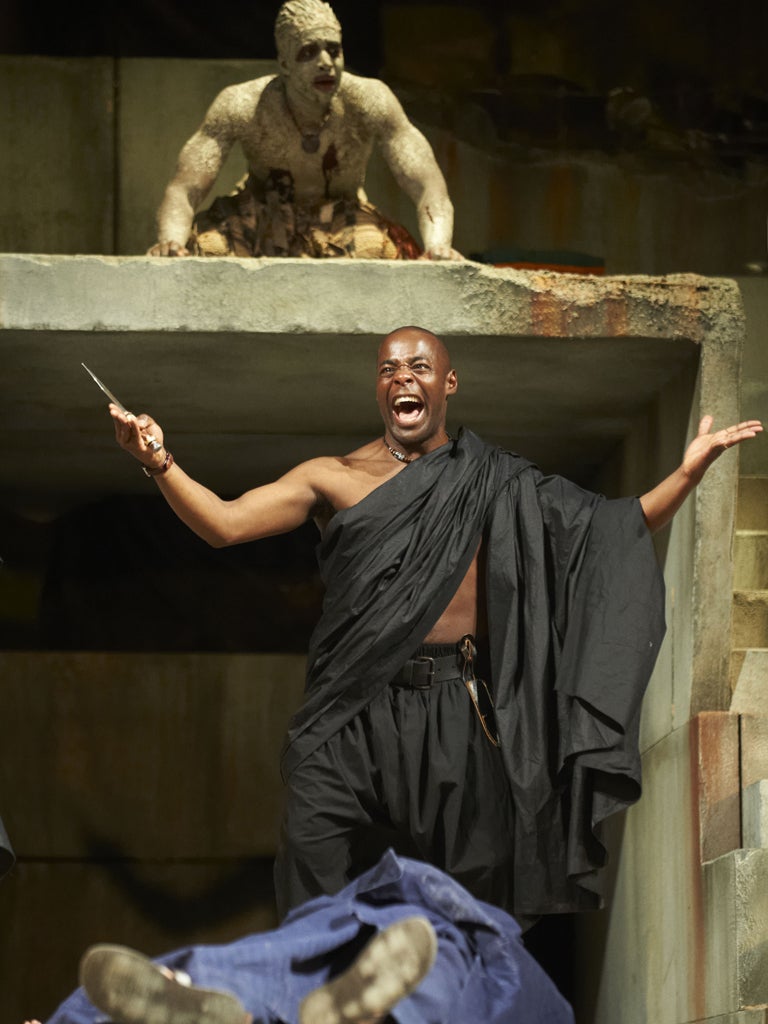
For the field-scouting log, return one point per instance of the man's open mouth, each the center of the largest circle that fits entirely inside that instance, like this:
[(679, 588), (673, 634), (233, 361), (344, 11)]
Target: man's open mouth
[(407, 408), (325, 82)]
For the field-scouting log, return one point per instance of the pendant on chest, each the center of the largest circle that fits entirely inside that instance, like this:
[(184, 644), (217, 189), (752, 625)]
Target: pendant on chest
[(310, 143)]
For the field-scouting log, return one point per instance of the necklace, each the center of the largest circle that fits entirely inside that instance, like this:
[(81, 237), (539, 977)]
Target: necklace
[(310, 137), (398, 455)]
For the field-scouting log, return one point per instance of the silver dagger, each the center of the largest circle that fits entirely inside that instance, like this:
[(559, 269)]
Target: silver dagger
[(105, 389), (150, 441)]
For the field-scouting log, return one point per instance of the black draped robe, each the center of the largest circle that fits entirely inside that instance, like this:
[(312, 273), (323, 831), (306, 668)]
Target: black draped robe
[(575, 614)]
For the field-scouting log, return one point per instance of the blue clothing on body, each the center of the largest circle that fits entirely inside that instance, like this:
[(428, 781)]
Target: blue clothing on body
[(482, 971)]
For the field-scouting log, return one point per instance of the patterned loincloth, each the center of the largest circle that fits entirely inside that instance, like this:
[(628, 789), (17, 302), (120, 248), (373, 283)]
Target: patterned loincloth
[(242, 225)]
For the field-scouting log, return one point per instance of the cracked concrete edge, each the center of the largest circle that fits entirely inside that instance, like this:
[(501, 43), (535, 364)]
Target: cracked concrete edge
[(127, 293)]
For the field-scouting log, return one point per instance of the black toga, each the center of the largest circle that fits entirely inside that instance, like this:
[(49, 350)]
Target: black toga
[(576, 617)]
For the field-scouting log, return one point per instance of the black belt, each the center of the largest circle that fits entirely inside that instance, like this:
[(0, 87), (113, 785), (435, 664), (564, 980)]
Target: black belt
[(422, 672)]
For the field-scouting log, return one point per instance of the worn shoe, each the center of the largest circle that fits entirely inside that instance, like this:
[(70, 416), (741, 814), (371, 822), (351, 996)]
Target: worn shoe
[(389, 968), (132, 990)]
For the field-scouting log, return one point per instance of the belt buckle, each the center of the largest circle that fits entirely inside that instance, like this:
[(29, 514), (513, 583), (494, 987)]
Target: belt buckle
[(416, 664)]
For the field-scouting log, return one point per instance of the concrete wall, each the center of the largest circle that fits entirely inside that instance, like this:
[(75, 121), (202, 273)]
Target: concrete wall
[(754, 392), (87, 146), (684, 938), (142, 792)]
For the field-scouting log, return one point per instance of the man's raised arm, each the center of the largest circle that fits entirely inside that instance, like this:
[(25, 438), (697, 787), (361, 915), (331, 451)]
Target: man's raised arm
[(197, 168), (274, 508), (413, 164), (660, 504)]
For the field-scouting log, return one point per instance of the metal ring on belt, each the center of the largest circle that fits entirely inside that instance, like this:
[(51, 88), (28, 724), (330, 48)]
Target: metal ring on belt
[(422, 672)]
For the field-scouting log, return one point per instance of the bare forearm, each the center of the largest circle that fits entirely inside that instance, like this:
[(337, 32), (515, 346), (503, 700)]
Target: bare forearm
[(204, 512), (662, 502), (175, 215), (435, 214)]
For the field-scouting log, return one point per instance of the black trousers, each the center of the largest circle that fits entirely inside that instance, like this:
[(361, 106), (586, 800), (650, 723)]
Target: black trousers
[(413, 771)]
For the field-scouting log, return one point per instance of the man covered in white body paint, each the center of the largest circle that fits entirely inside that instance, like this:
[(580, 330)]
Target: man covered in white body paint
[(307, 134)]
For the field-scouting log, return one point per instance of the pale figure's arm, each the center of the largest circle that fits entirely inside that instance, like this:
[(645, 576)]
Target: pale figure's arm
[(413, 164), (660, 504), (197, 168), (274, 508)]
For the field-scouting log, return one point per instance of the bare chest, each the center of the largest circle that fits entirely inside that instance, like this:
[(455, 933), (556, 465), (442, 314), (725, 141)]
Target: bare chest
[(334, 169)]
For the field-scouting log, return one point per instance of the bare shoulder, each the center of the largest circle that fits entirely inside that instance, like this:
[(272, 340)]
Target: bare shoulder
[(369, 97), (237, 103), (326, 469), (340, 482)]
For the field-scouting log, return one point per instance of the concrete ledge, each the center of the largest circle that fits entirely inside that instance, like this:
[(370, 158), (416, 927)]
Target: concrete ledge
[(736, 902), (74, 293), (756, 1015)]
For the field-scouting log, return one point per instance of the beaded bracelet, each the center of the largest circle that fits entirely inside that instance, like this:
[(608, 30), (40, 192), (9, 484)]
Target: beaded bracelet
[(167, 463)]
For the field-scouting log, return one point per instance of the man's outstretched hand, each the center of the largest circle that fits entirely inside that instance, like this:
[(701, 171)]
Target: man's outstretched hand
[(661, 503), (706, 447)]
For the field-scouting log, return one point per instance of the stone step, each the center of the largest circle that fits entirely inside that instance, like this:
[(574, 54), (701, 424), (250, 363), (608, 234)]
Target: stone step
[(749, 627), (750, 560), (735, 975), (752, 507), (754, 816), (749, 681)]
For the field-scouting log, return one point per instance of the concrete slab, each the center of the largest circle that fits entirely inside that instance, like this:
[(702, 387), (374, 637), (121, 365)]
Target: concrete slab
[(236, 356), (758, 1015)]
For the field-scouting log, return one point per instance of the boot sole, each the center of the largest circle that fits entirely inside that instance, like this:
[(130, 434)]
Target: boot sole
[(388, 969), (132, 990)]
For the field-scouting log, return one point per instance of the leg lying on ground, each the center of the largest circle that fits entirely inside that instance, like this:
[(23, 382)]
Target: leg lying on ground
[(387, 970), (131, 989)]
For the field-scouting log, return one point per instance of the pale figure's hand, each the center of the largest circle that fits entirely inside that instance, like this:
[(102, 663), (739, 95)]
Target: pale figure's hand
[(706, 447), (138, 436), (442, 252), (169, 248)]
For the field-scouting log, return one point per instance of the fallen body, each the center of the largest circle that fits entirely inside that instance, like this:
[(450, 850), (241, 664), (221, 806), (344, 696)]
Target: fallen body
[(478, 969)]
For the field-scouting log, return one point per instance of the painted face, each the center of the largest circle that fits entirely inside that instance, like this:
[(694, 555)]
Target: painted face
[(414, 380), (315, 63)]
